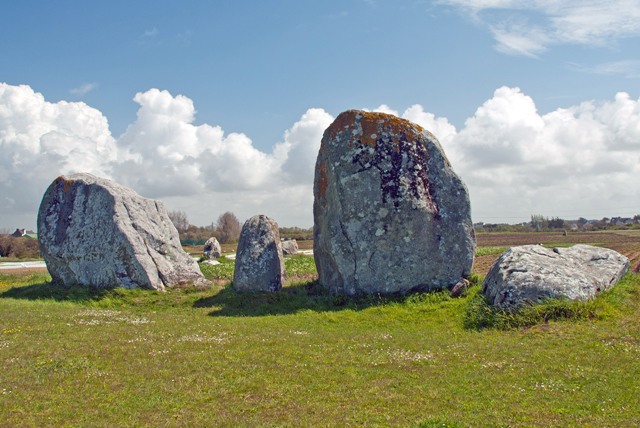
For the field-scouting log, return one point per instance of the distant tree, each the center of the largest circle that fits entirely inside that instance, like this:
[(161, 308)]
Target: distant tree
[(179, 220), (556, 223), (228, 228), (195, 235), (297, 233), (605, 221), (539, 222)]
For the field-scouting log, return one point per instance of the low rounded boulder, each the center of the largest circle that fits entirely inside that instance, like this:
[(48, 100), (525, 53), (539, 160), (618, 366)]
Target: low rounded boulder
[(531, 274)]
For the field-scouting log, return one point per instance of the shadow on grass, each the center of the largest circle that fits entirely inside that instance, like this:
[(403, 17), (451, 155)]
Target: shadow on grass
[(49, 291), (307, 296)]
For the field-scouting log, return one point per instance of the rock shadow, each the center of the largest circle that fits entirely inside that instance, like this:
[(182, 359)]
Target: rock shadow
[(289, 300), (50, 291)]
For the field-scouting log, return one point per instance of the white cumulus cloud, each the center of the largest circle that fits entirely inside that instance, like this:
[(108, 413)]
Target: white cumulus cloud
[(40, 140), (162, 154), (299, 150), (582, 160), (439, 126)]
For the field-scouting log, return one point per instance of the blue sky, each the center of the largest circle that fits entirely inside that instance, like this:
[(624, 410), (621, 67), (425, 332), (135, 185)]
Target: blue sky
[(525, 97)]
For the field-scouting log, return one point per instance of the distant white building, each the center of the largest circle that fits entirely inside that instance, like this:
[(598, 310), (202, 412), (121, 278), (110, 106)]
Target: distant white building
[(24, 233), (19, 233)]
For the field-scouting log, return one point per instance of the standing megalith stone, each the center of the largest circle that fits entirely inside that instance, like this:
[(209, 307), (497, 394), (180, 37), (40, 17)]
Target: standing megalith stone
[(98, 233), (212, 248), (259, 260), (390, 214)]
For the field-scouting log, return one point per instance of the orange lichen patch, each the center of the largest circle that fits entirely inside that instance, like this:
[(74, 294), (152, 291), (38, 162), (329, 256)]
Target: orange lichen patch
[(342, 122), (322, 181), (370, 131), (372, 124), (66, 184)]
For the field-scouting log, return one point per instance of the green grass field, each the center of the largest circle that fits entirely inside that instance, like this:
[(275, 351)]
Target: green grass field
[(300, 358)]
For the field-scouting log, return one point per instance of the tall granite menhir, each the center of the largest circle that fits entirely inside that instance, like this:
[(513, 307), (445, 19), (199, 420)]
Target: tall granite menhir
[(390, 214), (98, 233)]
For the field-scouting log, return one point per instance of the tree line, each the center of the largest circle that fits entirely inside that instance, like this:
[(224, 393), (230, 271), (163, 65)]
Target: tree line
[(540, 223), (226, 230)]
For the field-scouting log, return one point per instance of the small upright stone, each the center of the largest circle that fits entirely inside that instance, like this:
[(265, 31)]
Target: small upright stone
[(390, 214), (259, 260), (212, 248), (95, 232)]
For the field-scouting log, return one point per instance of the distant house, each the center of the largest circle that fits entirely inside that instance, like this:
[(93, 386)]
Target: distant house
[(621, 221), (19, 233), (24, 233)]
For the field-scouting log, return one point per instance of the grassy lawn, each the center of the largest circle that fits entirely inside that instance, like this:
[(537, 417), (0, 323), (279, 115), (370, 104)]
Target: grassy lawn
[(299, 358)]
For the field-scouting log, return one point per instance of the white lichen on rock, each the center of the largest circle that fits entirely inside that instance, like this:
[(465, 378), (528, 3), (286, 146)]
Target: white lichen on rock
[(391, 178)]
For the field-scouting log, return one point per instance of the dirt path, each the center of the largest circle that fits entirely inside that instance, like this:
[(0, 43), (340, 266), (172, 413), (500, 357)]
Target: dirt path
[(23, 271)]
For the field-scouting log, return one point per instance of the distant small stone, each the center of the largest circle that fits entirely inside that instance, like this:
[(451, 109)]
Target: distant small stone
[(95, 232), (289, 247), (530, 274), (212, 248), (259, 260), (211, 262)]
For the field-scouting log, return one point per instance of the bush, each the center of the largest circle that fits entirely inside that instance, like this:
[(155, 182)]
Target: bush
[(195, 235), (21, 248), (296, 233)]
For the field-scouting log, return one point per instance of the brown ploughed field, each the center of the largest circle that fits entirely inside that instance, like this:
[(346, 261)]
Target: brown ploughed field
[(624, 242)]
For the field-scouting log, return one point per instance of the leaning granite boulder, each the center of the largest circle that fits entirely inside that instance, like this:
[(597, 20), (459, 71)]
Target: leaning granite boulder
[(98, 233), (212, 248), (390, 214), (530, 274), (259, 260), (289, 247)]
